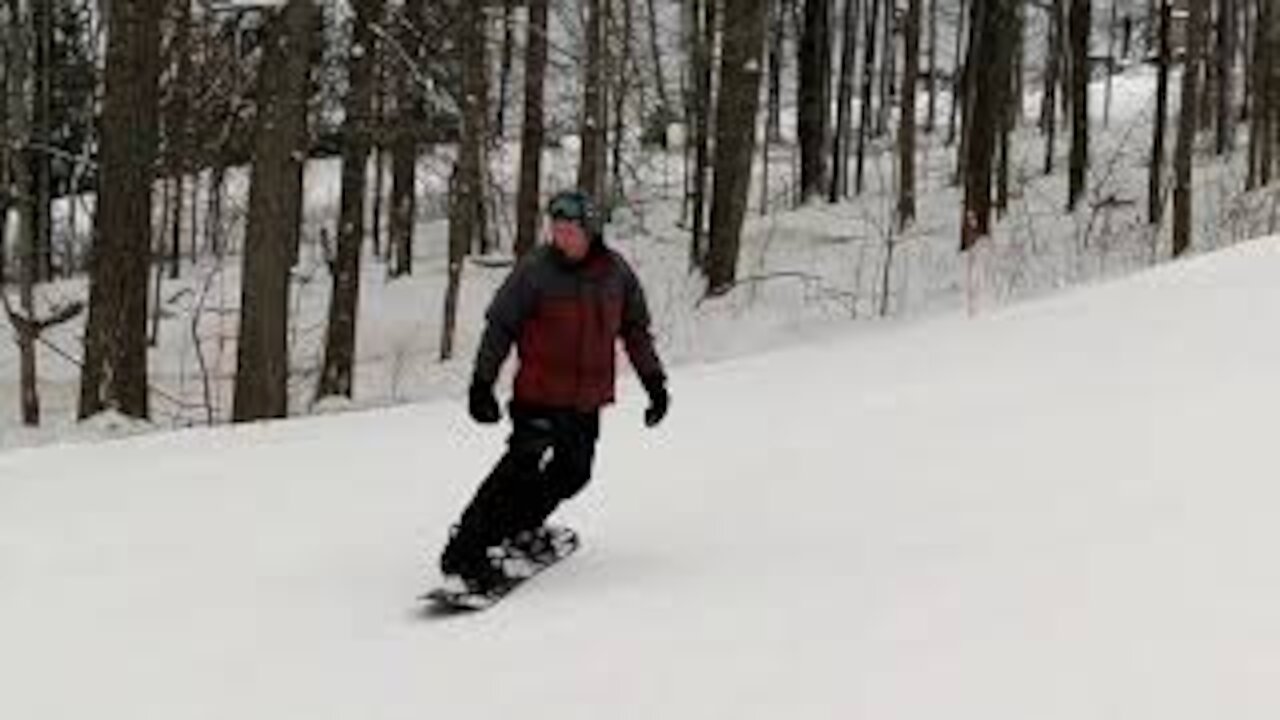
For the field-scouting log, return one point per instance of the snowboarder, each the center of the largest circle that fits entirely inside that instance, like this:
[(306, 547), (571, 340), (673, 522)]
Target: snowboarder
[(564, 306)]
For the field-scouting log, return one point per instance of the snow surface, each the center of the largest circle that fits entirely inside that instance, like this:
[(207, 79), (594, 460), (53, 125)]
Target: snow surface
[(1063, 509)]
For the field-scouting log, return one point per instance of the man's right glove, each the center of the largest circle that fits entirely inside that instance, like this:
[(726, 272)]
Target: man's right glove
[(659, 399), (481, 403)]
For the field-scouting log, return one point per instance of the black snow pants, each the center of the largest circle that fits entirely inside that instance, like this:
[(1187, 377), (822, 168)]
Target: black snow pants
[(548, 460)]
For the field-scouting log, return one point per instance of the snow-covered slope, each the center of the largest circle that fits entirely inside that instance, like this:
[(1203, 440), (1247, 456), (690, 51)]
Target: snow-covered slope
[(1061, 510)]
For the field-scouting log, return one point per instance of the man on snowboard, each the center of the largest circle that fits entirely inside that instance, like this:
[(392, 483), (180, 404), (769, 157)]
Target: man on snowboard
[(564, 307)]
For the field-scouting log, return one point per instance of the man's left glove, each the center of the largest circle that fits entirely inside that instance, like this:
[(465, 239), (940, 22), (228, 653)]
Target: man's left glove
[(659, 399), (482, 405)]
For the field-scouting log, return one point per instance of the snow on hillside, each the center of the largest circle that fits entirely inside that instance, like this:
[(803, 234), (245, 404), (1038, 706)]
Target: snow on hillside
[(1062, 509)]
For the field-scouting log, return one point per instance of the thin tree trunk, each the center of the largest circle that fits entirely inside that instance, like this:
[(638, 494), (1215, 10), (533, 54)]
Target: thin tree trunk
[(777, 35), (591, 170), (1053, 69), (1111, 60), (907, 130), (504, 67), (1226, 74), (844, 102), (868, 80), (622, 62), (42, 12), (815, 97), (659, 76), (930, 123), (982, 110), (20, 89), (1155, 181), (404, 154), (115, 367), (957, 74), (1079, 29), (175, 227), (532, 138), (337, 374), (1186, 132), (888, 69), (736, 110), (466, 187), (275, 195), (705, 105)]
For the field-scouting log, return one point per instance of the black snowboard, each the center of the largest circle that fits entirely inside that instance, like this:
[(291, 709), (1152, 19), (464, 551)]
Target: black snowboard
[(520, 568)]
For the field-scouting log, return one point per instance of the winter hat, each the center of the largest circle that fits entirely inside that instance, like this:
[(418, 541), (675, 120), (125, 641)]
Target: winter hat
[(575, 206)]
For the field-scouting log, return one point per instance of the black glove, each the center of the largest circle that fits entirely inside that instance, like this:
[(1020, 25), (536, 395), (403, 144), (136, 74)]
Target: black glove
[(482, 405), (659, 399)]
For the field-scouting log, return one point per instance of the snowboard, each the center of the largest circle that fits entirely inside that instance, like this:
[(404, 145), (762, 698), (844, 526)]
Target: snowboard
[(519, 566)]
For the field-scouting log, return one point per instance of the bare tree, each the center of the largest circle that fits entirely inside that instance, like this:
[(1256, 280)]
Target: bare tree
[(410, 116), (1155, 198), (702, 106), (844, 102), (275, 199), (815, 96), (1187, 131), (779, 11), (42, 14), (1078, 27), (1052, 75), (336, 377), (868, 80), (989, 20), (534, 131), (737, 109), (115, 361), (1226, 54), (907, 129), (659, 76), (930, 122), (466, 186), (595, 121)]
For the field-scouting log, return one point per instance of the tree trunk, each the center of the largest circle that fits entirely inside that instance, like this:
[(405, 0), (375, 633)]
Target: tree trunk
[(1187, 132), (622, 62), (1226, 74), (907, 130), (844, 102), (336, 377), (1111, 59), (466, 186), (1155, 180), (1079, 28), (868, 80), (957, 73), (115, 366), (982, 121), (591, 165), (704, 104), (659, 75), (1053, 70), (42, 12), (20, 88), (777, 35), (815, 97), (275, 196), (736, 110), (888, 69), (404, 154), (532, 138), (504, 67), (930, 123)]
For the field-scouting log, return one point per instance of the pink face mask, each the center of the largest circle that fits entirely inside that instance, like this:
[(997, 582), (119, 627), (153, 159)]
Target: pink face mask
[(570, 238)]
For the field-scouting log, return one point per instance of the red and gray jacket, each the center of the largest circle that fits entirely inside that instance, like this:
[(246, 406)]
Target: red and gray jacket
[(565, 320)]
